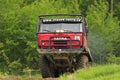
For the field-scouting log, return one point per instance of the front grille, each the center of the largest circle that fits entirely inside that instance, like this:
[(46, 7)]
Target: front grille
[(60, 44)]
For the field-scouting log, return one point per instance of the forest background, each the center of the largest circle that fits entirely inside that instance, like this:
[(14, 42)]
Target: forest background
[(18, 21)]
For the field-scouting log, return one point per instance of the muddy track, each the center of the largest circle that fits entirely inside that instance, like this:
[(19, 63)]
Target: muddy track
[(29, 79)]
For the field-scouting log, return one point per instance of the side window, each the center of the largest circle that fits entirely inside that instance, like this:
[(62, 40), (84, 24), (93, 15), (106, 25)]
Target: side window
[(81, 29)]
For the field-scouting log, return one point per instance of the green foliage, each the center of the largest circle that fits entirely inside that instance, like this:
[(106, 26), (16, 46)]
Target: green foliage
[(14, 67), (104, 30), (117, 8), (113, 59)]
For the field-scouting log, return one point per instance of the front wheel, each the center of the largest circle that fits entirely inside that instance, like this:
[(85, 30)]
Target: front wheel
[(45, 69), (83, 62)]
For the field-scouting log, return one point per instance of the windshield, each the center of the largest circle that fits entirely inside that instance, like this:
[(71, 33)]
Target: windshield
[(67, 27)]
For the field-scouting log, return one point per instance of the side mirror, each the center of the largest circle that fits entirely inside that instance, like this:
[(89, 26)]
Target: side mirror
[(37, 28), (87, 29)]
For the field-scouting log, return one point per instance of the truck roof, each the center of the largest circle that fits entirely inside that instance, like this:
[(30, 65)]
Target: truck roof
[(61, 15)]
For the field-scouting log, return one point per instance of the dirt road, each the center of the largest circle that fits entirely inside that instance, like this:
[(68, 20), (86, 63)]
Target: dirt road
[(29, 79)]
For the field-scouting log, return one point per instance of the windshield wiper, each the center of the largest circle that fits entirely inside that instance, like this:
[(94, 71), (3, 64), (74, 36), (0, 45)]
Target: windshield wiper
[(46, 30)]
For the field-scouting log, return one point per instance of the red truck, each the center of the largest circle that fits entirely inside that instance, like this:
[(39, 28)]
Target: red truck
[(62, 44)]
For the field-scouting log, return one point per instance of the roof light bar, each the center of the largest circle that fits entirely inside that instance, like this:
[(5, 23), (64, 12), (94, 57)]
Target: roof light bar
[(61, 20)]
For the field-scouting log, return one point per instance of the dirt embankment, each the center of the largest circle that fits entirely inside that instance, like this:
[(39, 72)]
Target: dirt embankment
[(43, 79), (29, 79)]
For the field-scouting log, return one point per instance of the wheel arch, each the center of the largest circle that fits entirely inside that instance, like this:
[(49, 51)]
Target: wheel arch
[(88, 54)]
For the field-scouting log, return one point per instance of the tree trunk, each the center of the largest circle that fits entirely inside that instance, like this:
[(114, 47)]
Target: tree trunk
[(110, 6)]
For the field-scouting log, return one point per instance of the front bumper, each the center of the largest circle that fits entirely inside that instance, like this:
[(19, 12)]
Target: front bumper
[(65, 52), (60, 51)]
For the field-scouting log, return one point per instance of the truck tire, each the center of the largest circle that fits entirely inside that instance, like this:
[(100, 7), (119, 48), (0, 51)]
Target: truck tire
[(45, 69), (83, 62)]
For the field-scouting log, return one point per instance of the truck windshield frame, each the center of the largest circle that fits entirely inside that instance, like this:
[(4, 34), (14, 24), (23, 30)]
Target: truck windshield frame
[(67, 27)]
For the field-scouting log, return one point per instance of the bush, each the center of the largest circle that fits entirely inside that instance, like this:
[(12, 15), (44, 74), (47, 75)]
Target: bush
[(113, 59), (15, 67)]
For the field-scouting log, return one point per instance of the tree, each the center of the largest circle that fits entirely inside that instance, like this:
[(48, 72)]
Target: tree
[(103, 27)]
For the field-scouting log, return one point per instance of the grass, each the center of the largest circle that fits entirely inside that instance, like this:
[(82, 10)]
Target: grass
[(101, 72), (29, 76), (19, 77), (3, 75)]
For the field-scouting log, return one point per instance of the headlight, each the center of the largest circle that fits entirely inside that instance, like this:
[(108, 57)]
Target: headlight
[(77, 37), (59, 31)]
